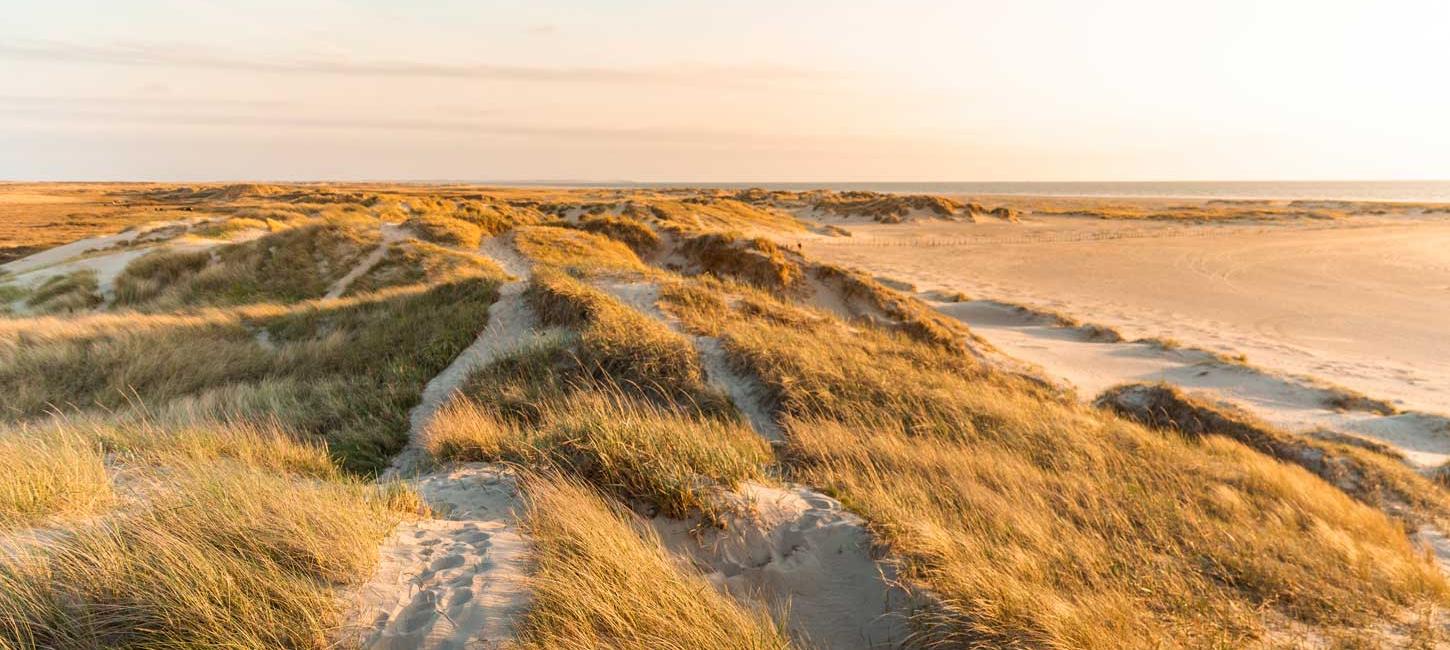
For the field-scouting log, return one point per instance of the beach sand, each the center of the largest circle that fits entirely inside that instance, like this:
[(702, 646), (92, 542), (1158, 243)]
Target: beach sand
[(1361, 302)]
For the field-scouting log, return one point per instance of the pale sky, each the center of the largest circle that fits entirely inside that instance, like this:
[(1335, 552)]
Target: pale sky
[(786, 90)]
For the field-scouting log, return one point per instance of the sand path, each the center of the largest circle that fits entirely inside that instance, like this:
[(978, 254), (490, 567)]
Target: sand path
[(390, 233), (792, 548), (460, 579)]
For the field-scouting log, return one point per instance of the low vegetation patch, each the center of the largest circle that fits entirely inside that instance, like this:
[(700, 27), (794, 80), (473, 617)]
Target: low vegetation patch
[(417, 262), (756, 261), (578, 252), (347, 371), (603, 580), (671, 459), (447, 231), (910, 316), (1374, 478), (287, 266), (639, 237), (887, 208), (707, 214), (72, 292)]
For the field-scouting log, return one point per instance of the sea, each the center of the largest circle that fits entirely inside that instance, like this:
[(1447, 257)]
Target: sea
[(1416, 191)]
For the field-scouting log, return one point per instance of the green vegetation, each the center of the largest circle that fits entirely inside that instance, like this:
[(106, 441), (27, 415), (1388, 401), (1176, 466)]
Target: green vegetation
[(287, 266), (418, 262), (347, 371), (74, 291)]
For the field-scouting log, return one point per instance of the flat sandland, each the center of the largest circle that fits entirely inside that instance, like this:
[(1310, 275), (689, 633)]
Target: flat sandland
[(1363, 301)]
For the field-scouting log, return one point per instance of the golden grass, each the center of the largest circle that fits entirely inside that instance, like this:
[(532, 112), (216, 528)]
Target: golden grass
[(673, 460), (907, 314), (50, 476), (706, 213), (619, 342), (216, 507), (1047, 523), (226, 228), (1378, 480), (224, 555), (418, 262), (34, 217), (602, 580), (580, 253), (286, 266), (634, 234), (887, 208), (756, 261), (445, 230), (346, 370)]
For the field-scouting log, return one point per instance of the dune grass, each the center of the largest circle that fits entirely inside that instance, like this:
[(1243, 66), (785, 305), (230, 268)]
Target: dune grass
[(912, 317), (1046, 523), (602, 580), (671, 459), (418, 262), (706, 213), (754, 260), (75, 291), (287, 266), (224, 555), (886, 208), (639, 237), (577, 252), (208, 494), (346, 370), (621, 343), (1381, 481), (447, 231), (50, 476)]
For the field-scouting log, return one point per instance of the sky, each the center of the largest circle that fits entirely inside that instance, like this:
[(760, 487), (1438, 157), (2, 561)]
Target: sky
[(751, 90)]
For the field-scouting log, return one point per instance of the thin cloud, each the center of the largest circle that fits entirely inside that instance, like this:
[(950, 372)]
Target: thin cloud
[(188, 56), (439, 125)]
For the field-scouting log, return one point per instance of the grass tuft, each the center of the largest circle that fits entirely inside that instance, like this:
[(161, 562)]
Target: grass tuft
[(602, 580)]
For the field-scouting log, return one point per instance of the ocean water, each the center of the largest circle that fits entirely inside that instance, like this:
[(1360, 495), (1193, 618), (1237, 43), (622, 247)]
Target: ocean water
[(1419, 191)]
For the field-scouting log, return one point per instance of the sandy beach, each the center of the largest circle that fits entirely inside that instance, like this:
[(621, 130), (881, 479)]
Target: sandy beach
[(1363, 302)]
